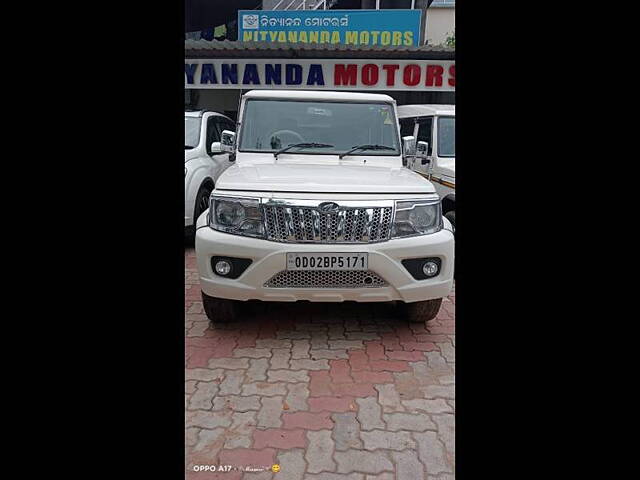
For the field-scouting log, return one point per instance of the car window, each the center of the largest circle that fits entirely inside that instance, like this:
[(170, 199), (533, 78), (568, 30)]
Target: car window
[(447, 136), (424, 132), (406, 127), (213, 132), (227, 125)]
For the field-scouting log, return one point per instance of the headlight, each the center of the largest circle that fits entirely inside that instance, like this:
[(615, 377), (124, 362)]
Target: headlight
[(240, 216), (417, 217)]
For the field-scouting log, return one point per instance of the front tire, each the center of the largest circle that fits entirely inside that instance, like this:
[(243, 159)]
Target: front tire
[(202, 201), (451, 216), (423, 311), (219, 310)]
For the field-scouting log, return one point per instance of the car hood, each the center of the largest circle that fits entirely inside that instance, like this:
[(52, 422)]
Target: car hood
[(322, 179)]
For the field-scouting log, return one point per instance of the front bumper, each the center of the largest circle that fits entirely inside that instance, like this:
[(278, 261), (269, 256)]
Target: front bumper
[(269, 258)]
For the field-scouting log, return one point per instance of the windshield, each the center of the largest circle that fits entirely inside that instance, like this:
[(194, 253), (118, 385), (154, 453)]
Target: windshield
[(447, 136), (191, 132), (270, 125)]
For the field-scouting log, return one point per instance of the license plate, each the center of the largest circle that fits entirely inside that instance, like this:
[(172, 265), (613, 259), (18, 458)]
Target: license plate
[(324, 261)]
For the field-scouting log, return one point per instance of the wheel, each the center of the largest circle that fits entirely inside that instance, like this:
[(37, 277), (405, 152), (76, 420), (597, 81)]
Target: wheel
[(423, 311), (219, 310), (451, 216), (202, 201)]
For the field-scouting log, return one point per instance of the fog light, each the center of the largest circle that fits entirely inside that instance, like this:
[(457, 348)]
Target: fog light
[(223, 267), (430, 269)]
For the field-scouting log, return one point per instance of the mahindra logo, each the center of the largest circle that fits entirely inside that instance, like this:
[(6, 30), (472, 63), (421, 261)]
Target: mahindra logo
[(328, 207)]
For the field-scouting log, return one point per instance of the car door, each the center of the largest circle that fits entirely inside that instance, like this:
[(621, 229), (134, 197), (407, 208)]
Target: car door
[(425, 134), (408, 128), (219, 160)]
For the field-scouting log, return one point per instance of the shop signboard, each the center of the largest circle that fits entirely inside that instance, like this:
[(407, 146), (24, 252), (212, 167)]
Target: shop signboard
[(321, 74), (398, 27)]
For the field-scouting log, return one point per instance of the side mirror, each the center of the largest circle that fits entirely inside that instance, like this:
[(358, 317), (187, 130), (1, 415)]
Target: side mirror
[(216, 148), (227, 142), (421, 151), (409, 145)]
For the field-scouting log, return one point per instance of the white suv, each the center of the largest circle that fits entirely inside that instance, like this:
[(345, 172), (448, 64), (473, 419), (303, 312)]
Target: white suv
[(434, 127), (319, 207), (204, 160)]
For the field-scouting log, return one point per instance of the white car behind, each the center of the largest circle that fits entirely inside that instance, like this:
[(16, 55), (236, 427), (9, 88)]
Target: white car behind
[(204, 161)]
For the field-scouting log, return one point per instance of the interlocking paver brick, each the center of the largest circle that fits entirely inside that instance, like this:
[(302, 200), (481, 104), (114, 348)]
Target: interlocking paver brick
[(376, 439), (289, 376), (229, 363), (247, 457), (437, 405), (300, 349), (432, 453), (264, 389), (317, 354), (210, 420), (252, 352), (446, 431), (292, 465), (204, 374), (345, 344), (320, 384), (296, 399), (210, 440), (308, 364), (375, 351), (339, 371), (232, 383), (280, 358), (389, 365), (320, 389), (280, 439), (369, 413), (202, 398), (346, 432), (273, 343), (236, 403), (408, 421), (408, 465), (362, 461), (354, 389), (307, 420), (320, 452), (365, 376), (269, 414), (413, 356), (389, 398), (191, 436), (331, 404), (238, 435), (257, 371)]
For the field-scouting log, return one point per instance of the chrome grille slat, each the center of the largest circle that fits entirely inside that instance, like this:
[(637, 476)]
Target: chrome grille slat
[(307, 224)]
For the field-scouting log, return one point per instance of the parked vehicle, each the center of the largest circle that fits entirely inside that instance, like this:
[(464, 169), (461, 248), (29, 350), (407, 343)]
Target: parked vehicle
[(435, 158), (204, 160), (319, 207)]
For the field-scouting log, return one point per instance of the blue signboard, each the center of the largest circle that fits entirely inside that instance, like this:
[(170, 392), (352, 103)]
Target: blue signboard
[(347, 27)]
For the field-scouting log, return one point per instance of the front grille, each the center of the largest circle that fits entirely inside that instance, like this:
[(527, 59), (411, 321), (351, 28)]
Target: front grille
[(325, 279), (307, 224)]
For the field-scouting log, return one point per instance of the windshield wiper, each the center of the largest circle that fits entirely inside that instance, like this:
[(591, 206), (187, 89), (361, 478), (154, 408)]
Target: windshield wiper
[(301, 145), (366, 147)]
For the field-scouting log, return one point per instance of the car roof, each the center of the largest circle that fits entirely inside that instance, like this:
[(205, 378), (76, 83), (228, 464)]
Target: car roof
[(405, 111), (319, 95)]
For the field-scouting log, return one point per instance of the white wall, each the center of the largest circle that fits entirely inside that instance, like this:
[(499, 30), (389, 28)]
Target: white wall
[(441, 22)]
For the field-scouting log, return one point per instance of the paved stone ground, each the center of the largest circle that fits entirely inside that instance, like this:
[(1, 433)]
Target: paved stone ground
[(328, 391)]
